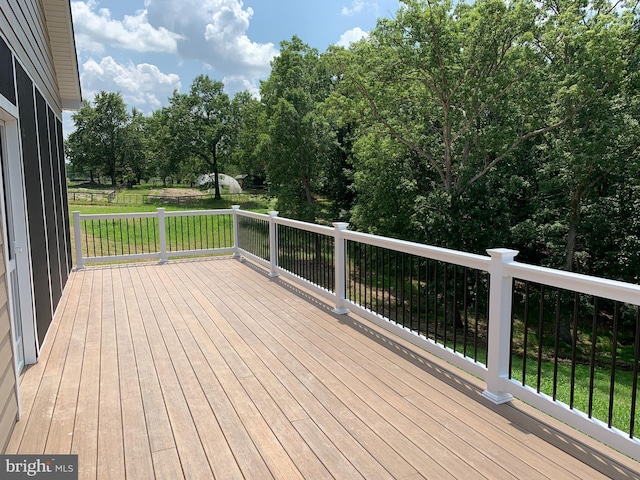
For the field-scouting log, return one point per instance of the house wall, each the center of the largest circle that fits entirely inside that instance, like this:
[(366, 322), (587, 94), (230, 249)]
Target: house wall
[(8, 397), (39, 112), (30, 98), (22, 24)]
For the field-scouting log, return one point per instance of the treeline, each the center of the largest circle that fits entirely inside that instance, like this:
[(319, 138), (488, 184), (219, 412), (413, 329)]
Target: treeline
[(460, 125)]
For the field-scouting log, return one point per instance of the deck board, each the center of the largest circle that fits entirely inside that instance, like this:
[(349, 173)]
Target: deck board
[(210, 369)]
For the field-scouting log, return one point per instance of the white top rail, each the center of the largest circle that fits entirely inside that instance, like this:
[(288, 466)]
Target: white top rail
[(257, 216), (437, 253), (116, 216), (599, 287), (198, 213), (310, 227)]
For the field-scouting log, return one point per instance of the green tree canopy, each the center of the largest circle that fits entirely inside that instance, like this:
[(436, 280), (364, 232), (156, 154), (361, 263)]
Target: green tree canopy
[(98, 145)]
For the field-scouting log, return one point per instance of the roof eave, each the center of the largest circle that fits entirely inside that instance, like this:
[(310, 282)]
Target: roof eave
[(63, 49)]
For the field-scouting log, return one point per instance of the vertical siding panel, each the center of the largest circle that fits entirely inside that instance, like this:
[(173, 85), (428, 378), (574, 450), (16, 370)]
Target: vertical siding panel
[(35, 213), (7, 84), (57, 256), (51, 234), (23, 25), (57, 201), (65, 202)]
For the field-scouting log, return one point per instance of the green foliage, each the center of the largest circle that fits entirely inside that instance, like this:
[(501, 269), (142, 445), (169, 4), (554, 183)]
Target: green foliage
[(99, 144), (296, 136), (465, 125)]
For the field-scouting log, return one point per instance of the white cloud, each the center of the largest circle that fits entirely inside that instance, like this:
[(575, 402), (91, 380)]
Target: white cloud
[(351, 36), (214, 32), (234, 84), (143, 86), (95, 29), (356, 7)]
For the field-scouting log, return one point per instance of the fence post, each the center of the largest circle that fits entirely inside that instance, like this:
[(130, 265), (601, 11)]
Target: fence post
[(236, 231), (340, 267), (499, 344), (77, 236), (273, 243), (162, 234)]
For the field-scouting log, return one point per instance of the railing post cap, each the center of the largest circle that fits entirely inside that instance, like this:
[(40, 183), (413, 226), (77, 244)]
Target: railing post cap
[(273, 213), (160, 209), (503, 254), (235, 207), (340, 225)]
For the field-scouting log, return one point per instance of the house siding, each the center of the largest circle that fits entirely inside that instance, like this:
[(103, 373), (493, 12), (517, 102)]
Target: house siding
[(30, 97), (23, 25), (8, 397)]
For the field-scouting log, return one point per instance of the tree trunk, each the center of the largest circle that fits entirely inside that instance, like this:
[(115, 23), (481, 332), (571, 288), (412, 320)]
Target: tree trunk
[(216, 180), (112, 174), (564, 326), (306, 183), (572, 235)]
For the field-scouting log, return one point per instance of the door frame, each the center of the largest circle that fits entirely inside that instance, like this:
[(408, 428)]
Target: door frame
[(13, 157)]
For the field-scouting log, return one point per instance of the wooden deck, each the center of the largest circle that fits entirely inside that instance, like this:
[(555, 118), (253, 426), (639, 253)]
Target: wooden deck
[(209, 369)]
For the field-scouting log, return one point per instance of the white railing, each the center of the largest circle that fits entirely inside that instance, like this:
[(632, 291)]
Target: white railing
[(500, 265)]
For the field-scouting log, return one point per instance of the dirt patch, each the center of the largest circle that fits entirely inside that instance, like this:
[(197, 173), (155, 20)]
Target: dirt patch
[(177, 192)]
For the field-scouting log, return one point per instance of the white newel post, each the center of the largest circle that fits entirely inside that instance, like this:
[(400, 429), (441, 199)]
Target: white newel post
[(77, 236), (236, 231), (340, 267), (273, 243), (499, 345), (162, 234)]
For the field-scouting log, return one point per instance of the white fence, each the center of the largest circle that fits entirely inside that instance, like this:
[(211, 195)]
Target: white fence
[(500, 265)]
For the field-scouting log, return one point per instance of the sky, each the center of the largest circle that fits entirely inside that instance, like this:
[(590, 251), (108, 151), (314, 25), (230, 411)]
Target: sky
[(145, 49)]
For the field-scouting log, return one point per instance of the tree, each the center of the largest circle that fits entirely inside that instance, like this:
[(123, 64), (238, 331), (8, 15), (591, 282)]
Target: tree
[(137, 154), (454, 84), (100, 143), (168, 137), (296, 134), (206, 110), (247, 120)]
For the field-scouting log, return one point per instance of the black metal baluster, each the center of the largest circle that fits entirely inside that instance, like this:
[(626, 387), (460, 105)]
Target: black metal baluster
[(403, 290), (634, 387), (455, 313), (426, 298), (556, 346), (614, 358), (135, 241), (395, 287), (486, 313), (594, 339), (476, 313), (419, 299), (513, 321), (435, 301), (182, 245), (411, 325), (86, 238), (384, 263), (360, 254), (445, 291), (525, 347), (465, 307), (106, 222), (216, 230), (540, 333), (122, 244), (574, 348)]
